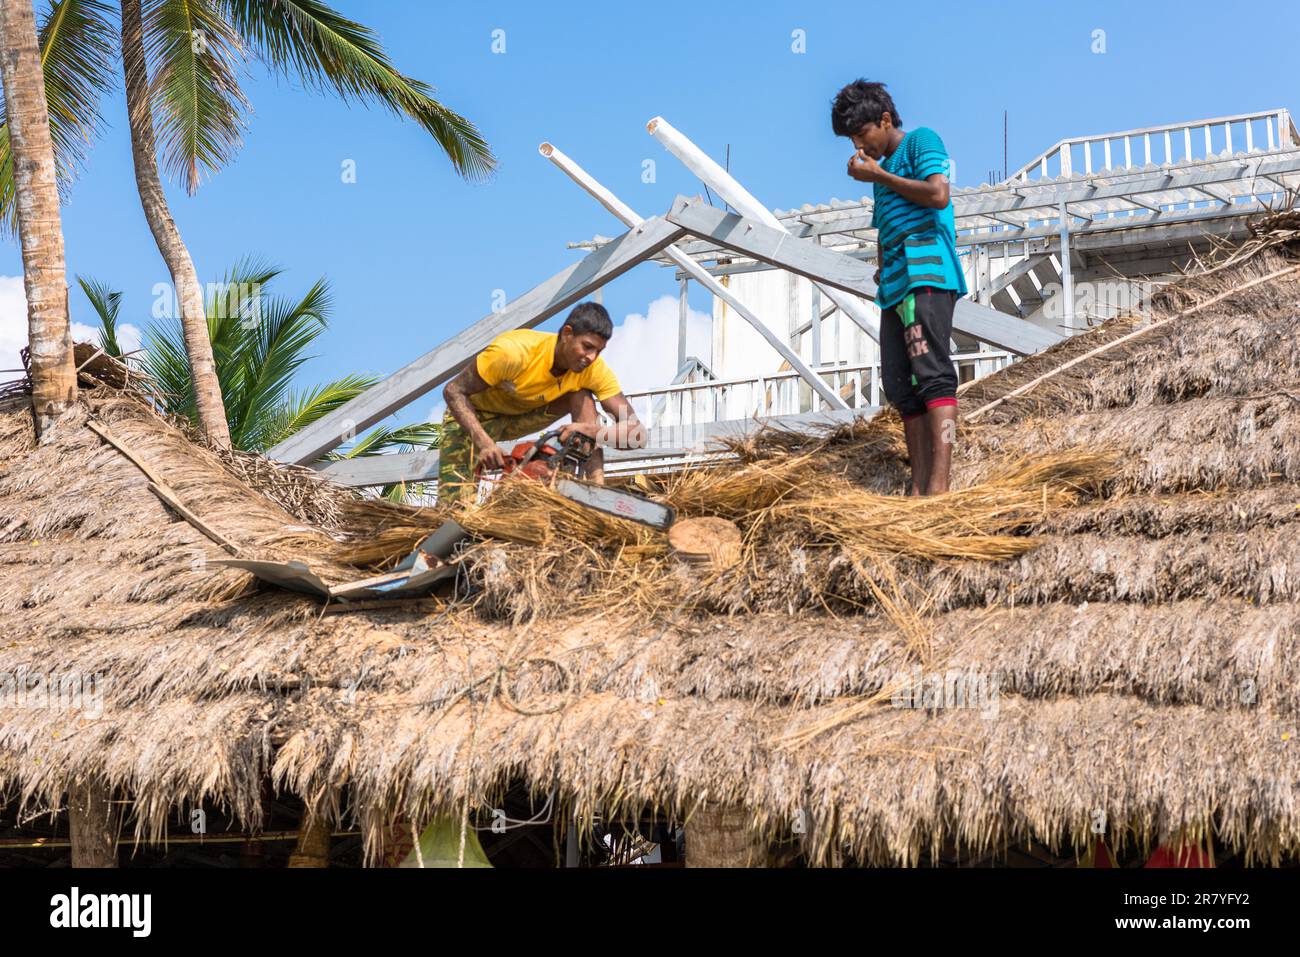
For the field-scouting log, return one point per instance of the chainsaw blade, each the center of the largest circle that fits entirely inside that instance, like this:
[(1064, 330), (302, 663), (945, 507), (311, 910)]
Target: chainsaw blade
[(634, 508)]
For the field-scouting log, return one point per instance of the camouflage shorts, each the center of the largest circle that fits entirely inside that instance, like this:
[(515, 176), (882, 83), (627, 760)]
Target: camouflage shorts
[(457, 456)]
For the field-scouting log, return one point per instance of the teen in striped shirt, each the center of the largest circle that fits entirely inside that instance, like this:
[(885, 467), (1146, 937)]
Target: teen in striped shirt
[(920, 276)]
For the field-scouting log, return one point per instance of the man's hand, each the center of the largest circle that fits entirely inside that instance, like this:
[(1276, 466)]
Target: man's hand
[(491, 457), (589, 429), (864, 169)]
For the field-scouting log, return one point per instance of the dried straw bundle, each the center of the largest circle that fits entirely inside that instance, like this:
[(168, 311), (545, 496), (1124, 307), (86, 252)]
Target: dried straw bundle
[(566, 556)]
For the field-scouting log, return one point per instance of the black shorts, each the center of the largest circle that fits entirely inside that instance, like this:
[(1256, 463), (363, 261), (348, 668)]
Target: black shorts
[(916, 370)]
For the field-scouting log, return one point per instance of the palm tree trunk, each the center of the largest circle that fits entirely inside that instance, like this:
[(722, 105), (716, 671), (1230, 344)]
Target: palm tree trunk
[(92, 821), (313, 848), (189, 293), (36, 194), (718, 835)]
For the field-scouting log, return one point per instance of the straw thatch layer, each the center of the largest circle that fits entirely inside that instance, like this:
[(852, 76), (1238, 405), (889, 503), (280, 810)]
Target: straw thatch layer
[(1113, 585)]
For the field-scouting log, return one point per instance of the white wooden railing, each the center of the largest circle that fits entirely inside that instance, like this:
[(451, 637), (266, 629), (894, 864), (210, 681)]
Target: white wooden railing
[(1171, 143), (781, 393)]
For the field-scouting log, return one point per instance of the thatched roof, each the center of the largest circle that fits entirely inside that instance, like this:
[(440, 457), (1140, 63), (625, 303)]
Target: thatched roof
[(1142, 635)]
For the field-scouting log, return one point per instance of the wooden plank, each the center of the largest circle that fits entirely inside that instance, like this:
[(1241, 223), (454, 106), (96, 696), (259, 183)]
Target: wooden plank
[(832, 268), (439, 364), (161, 488)]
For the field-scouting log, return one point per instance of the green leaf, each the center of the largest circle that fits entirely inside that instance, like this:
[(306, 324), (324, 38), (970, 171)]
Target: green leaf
[(106, 303), (273, 349), (78, 49), (165, 360), (299, 410), (327, 51), (198, 109), (259, 343), (404, 438)]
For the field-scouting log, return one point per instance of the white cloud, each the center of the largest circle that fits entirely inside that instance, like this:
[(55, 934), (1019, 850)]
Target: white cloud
[(643, 351), (128, 336), (13, 325), (13, 328), (436, 411)]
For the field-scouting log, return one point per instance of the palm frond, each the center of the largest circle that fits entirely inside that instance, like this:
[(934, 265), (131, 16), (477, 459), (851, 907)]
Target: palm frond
[(197, 106), (275, 347), (106, 303), (403, 438), (327, 51), (234, 304), (78, 47), (165, 361), (259, 342), (301, 409), (402, 492)]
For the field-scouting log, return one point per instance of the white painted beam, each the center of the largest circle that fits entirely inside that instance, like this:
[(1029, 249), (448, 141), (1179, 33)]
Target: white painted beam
[(726, 186), (694, 270), (438, 365), (828, 267)]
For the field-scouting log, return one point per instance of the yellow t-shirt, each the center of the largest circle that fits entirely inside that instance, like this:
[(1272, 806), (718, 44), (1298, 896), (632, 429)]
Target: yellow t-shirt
[(517, 366)]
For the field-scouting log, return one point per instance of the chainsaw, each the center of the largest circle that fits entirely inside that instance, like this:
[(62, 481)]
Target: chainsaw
[(560, 463)]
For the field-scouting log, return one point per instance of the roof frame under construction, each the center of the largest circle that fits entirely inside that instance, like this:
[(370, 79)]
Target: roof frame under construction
[(1048, 223), (845, 280)]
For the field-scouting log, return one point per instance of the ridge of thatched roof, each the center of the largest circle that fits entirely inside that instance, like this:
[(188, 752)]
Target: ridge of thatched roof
[(1144, 648)]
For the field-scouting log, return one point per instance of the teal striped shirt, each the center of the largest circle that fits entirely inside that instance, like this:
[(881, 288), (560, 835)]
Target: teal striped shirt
[(918, 244)]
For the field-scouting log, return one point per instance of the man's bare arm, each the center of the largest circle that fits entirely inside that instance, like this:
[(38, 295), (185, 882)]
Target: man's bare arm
[(627, 432), (457, 394), (933, 191)]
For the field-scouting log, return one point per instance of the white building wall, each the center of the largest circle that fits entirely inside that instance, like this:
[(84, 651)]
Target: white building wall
[(783, 301)]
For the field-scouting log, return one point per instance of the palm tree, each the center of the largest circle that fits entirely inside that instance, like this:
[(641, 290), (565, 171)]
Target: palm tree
[(259, 342), (35, 194), (77, 50), (180, 60)]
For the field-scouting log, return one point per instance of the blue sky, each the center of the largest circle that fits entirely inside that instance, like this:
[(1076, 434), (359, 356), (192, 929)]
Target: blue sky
[(413, 254)]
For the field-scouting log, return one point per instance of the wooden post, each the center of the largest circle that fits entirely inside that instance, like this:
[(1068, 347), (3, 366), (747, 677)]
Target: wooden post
[(93, 825), (718, 835), (683, 312), (313, 848)]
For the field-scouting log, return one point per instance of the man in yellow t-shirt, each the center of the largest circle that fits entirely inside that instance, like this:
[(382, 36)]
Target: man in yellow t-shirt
[(523, 382)]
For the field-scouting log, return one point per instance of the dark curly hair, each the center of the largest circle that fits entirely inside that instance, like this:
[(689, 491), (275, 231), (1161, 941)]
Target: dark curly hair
[(590, 317), (861, 103)]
